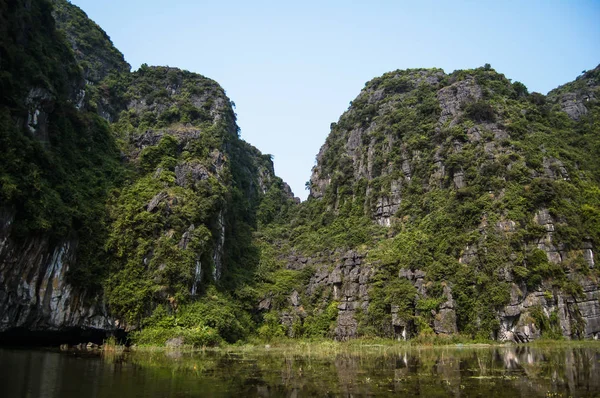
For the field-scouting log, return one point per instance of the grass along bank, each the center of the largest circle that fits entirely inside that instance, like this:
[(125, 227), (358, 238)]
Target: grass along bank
[(379, 346)]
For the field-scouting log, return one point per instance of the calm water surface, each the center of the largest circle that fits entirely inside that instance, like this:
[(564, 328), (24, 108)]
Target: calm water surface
[(456, 372)]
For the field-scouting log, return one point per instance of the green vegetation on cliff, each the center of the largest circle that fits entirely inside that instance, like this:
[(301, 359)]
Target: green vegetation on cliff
[(91, 46), (449, 204), (161, 198), (184, 220), (58, 162), (480, 185)]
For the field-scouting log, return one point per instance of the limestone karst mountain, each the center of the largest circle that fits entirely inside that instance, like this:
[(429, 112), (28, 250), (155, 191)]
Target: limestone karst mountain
[(103, 220), (440, 203), (490, 199)]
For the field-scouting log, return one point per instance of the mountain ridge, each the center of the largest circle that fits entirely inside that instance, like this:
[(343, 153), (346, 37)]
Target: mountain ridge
[(472, 179), (440, 204)]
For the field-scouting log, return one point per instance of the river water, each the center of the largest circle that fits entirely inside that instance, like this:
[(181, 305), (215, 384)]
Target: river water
[(520, 371)]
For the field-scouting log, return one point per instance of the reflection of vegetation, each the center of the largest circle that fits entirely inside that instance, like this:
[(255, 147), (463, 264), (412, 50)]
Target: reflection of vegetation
[(365, 369)]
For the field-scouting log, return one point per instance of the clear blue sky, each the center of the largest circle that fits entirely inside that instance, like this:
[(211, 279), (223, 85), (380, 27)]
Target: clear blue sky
[(293, 67)]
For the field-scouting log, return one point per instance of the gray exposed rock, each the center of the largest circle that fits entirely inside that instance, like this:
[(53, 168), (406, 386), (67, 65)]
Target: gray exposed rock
[(265, 304), (219, 246), (588, 253), (97, 61), (156, 200), (506, 226), (573, 97), (359, 146), (589, 308), (387, 206), (346, 325), (554, 169), (573, 106), (416, 277), (185, 238), (546, 243), (34, 292), (288, 319), (295, 298), (459, 180), (336, 275), (517, 324), (349, 281), (544, 219), (189, 173), (455, 96), (444, 322), (40, 103), (176, 342)]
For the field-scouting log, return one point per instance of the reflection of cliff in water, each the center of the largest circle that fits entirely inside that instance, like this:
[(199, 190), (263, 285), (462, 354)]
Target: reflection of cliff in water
[(499, 371), (457, 372)]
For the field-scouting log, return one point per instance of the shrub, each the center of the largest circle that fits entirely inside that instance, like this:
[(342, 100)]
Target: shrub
[(218, 312), (480, 111), (271, 327), (520, 89), (322, 323)]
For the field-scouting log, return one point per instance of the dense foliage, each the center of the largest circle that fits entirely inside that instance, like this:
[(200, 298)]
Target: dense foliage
[(186, 232), (163, 199), (56, 170), (470, 184), (91, 46)]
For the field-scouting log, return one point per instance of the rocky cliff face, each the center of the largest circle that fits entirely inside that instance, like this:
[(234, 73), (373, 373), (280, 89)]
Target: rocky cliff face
[(91, 46), (482, 189), (35, 294), (577, 98), (101, 63), (47, 200), (96, 233), (440, 203), (195, 181)]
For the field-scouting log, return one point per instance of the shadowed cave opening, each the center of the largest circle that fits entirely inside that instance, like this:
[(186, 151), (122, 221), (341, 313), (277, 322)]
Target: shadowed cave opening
[(21, 337)]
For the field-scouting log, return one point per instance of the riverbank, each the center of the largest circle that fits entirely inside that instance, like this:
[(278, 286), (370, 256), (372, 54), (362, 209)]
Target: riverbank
[(361, 346)]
